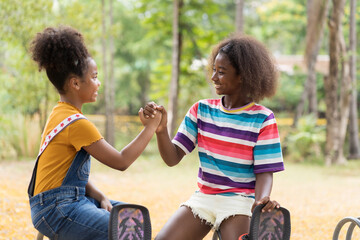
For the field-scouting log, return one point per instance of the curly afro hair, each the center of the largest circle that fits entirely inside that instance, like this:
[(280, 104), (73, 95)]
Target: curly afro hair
[(60, 51), (253, 62)]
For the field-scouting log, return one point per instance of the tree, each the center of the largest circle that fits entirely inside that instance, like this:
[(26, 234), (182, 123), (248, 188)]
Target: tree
[(108, 75), (337, 105), (239, 16), (353, 121), (316, 16), (176, 55)]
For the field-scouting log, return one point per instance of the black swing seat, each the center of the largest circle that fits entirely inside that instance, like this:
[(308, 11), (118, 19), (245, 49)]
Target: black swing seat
[(129, 221), (274, 225)]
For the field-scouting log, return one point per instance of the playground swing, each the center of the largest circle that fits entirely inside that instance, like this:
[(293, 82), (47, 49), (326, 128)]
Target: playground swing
[(132, 221), (274, 225), (127, 221), (353, 223)]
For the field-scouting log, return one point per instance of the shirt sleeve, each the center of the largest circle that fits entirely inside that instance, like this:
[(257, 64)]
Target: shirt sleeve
[(186, 136), (267, 151), (83, 133)]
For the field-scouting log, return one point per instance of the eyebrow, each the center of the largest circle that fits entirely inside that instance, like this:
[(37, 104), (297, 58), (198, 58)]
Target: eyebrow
[(221, 67)]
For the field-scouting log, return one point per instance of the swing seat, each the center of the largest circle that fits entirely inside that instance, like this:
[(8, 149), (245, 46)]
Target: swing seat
[(353, 223), (274, 225), (129, 221)]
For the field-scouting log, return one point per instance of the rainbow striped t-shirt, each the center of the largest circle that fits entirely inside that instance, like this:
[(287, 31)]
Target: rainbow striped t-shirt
[(233, 145)]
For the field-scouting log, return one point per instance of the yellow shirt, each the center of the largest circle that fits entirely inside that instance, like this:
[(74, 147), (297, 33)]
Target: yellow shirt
[(56, 159)]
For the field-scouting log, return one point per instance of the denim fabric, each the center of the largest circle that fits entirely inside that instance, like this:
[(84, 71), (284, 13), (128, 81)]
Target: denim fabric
[(65, 212)]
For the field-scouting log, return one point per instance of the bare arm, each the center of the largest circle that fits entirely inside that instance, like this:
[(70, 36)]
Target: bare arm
[(170, 153), (94, 192), (121, 160), (263, 188)]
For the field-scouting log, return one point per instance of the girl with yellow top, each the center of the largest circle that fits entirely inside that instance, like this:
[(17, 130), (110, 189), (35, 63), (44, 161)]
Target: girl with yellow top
[(64, 203)]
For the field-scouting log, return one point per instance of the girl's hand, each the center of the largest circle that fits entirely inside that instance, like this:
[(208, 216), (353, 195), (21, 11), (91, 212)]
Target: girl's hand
[(150, 111), (105, 204), (269, 205), (152, 121)]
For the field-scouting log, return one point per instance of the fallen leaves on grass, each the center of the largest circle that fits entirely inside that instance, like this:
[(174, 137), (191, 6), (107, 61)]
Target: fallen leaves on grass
[(317, 199)]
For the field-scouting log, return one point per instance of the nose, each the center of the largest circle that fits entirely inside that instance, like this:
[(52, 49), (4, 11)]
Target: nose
[(98, 83), (214, 76)]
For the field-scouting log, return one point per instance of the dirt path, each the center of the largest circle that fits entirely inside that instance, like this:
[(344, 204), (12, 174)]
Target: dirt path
[(316, 197)]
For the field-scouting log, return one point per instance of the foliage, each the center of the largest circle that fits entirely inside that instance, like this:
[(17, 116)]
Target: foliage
[(306, 142), (142, 32), (19, 135), (278, 20)]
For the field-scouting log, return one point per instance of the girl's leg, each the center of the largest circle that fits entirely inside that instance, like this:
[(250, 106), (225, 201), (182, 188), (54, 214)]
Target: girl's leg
[(183, 225), (87, 221), (234, 226)]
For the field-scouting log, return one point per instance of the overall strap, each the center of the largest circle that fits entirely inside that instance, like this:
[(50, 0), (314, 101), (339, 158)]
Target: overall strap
[(61, 126)]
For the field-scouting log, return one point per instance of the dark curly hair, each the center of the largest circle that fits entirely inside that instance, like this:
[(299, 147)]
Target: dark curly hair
[(253, 62), (60, 51)]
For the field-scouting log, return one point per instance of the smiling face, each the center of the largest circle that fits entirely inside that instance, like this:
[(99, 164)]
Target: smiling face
[(89, 84), (224, 77)]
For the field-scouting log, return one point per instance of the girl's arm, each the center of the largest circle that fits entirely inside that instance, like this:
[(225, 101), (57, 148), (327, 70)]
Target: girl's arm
[(263, 188), (107, 154), (170, 153), (94, 192)]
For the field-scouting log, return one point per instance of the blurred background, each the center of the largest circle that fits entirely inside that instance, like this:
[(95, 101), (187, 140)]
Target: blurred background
[(157, 50)]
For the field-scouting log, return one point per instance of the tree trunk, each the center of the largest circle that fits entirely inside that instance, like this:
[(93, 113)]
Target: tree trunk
[(345, 98), (353, 120), (239, 16), (143, 80), (176, 54), (316, 16), (110, 125), (334, 127), (109, 122)]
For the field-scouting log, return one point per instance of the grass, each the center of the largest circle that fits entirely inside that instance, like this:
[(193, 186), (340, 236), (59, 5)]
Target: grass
[(317, 197)]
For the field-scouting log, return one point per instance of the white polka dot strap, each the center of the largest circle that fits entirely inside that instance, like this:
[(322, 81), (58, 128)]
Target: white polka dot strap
[(59, 128)]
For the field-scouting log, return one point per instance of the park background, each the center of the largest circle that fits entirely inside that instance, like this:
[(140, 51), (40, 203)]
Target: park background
[(157, 51)]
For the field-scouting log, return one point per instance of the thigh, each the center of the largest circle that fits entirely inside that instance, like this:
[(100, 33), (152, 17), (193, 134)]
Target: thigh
[(86, 221), (234, 226), (183, 225)]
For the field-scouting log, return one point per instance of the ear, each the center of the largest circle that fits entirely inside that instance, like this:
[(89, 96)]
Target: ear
[(74, 82), (239, 78)]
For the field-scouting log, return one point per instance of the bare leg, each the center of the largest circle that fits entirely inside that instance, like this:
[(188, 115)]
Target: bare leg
[(235, 226), (183, 225)]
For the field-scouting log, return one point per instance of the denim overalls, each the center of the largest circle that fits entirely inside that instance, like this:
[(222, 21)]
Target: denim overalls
[(65, 212)]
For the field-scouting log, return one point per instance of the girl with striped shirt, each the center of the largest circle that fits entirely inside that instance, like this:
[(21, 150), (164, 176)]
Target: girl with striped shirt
[(238, 144)]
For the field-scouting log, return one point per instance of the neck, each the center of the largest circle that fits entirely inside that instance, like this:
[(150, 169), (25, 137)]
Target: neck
[(72, 101), (230, 102)]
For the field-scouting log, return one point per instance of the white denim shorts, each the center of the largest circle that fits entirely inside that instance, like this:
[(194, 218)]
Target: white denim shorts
[(213, 209)]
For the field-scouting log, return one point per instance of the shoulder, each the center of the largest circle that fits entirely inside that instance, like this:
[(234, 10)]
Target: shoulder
[(260, 109), (84, 124), (209, 103)]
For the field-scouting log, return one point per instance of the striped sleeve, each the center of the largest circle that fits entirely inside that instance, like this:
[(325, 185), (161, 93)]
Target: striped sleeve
[(186, 137), (267, 151)]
